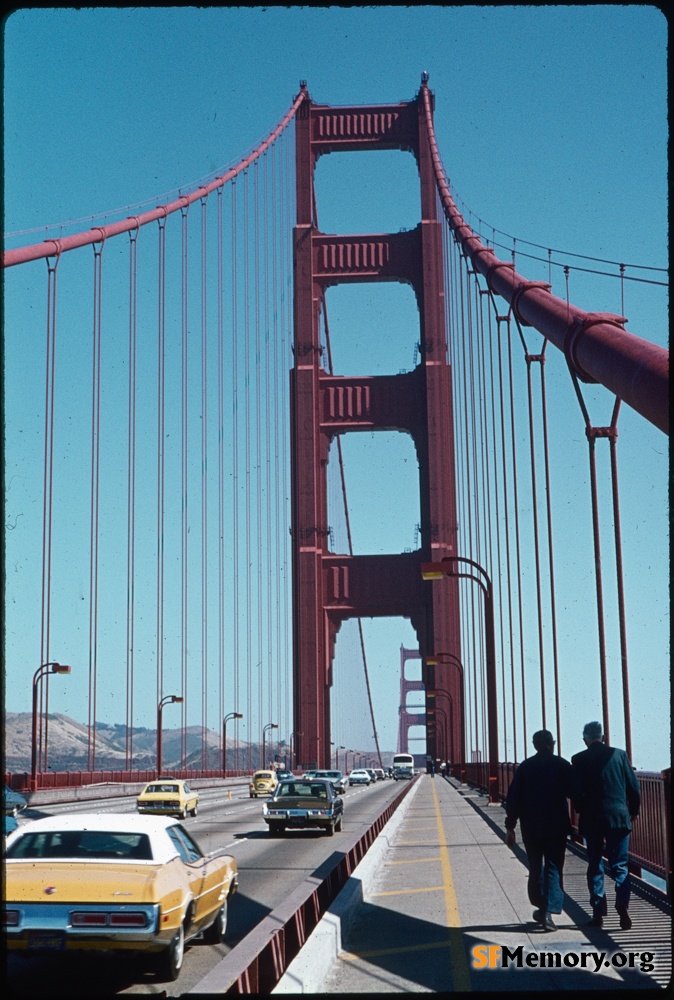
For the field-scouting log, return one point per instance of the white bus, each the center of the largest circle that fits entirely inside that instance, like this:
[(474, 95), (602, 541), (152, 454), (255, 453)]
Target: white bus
[(403, 766)]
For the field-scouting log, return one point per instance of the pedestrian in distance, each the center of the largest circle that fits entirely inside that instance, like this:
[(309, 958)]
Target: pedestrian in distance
[(606, 796), (537, 797)]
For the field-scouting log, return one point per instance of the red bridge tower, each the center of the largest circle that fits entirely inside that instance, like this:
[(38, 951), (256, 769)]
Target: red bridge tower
[(330, 587)]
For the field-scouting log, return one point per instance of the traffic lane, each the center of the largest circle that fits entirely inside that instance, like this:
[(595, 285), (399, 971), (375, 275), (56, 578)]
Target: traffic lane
[(269, 869)]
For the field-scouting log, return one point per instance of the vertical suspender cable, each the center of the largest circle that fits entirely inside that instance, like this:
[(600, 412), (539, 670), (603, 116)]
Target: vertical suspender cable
[(184, 533), (613, 440), (516, 507), (259, 557), (285, 421), (551, 561), (204, 494), (131, 497), (277, 258), (537, 555), (48, 490), (274, 687), (235, 467), (95, 492), (247, 435), (221, 461), (161, 333)]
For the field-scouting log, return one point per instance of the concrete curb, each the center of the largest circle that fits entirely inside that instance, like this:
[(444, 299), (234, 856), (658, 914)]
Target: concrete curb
[(307, 972)]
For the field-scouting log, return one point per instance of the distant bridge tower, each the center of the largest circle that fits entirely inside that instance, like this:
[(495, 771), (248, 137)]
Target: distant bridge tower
[(328, 587), (406, 717)]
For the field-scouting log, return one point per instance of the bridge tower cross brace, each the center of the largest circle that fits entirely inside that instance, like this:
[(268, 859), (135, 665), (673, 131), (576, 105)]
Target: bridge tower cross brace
[(330, 587)]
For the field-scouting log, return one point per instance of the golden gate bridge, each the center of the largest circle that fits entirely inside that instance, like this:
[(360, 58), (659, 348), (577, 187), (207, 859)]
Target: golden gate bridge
[(194, 542)]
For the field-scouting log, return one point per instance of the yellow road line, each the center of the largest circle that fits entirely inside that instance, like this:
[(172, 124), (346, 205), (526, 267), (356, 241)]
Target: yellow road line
[(402, 892), (412, 861), (350, 956), (460, 973)]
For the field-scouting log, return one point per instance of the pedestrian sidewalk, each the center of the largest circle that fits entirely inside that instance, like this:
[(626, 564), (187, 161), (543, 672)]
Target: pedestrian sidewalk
[(447, 909)]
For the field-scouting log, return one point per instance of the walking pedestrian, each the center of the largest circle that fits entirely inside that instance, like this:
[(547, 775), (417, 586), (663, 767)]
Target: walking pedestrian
[(537, 797), (606, 796)]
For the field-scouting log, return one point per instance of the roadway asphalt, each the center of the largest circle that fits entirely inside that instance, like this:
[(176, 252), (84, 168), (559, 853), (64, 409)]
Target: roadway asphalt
[(447, 898)]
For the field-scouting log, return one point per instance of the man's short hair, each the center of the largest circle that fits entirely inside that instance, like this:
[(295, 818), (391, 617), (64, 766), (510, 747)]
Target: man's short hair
[(543, 739), (593, 731)]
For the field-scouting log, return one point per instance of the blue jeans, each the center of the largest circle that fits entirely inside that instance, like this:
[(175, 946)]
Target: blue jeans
[(615, 843), (545, 884)]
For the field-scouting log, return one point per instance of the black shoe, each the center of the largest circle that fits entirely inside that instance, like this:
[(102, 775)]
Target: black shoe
[(597, 921), (539, 916), (625, 919), (548, 923)]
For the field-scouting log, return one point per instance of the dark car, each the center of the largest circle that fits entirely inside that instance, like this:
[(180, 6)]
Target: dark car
[(336, 779), (301, 804), (14, 802)]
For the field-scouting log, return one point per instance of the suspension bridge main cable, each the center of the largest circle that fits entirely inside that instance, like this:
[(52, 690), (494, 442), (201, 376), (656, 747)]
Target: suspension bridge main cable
[(596, 345), (49, 248)]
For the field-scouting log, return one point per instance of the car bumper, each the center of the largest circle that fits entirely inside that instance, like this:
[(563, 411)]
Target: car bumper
[(49, 927), (160, 809), (300, 820)]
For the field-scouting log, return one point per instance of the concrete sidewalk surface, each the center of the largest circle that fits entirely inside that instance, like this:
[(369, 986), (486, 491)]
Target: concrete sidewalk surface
[(443, 906)]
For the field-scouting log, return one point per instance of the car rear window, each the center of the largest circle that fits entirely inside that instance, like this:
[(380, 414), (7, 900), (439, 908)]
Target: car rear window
[(263, 774), (88, 845), (303, 789), (162, 790)]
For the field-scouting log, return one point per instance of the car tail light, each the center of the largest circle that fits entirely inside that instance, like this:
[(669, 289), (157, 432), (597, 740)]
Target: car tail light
[(86, 919), (11, 918), (128, 920)]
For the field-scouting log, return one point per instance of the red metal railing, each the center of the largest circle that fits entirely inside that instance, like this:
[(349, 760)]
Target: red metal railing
[(20, 781)]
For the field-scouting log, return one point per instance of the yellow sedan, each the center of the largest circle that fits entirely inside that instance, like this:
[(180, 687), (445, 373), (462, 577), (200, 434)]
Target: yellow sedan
[(168, 797), (114, 882)]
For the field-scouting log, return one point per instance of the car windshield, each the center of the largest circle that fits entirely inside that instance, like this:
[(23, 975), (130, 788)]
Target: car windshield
[(303, 788), (88, 845), (162, 790)]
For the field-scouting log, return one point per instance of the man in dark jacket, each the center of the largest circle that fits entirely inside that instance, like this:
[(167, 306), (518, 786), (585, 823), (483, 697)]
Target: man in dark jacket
[(538, 798), (606, 795)]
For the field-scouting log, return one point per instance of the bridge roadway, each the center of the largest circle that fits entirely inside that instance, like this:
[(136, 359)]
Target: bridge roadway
[(438, 882), (270, 870), (445, 898)]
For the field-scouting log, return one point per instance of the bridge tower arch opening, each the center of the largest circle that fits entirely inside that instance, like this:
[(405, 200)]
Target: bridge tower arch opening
[(328, 587)]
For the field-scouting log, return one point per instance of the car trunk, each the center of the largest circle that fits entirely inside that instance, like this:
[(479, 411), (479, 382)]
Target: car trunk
[(77, 882)]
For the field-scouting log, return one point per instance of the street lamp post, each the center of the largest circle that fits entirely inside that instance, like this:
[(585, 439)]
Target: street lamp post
[(168, 700), (293, 754), (270, 725), (448, 567), (444, 742), (46, 668), (458, 731), (231, 715)]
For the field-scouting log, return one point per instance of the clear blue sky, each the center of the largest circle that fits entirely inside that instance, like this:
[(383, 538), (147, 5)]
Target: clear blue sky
[(552, 127)]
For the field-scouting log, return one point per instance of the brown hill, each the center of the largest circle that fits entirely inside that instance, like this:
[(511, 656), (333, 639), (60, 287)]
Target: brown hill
[(68, 746)]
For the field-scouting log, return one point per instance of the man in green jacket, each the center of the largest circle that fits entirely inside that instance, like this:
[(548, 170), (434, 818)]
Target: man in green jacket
[(606, 795)]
